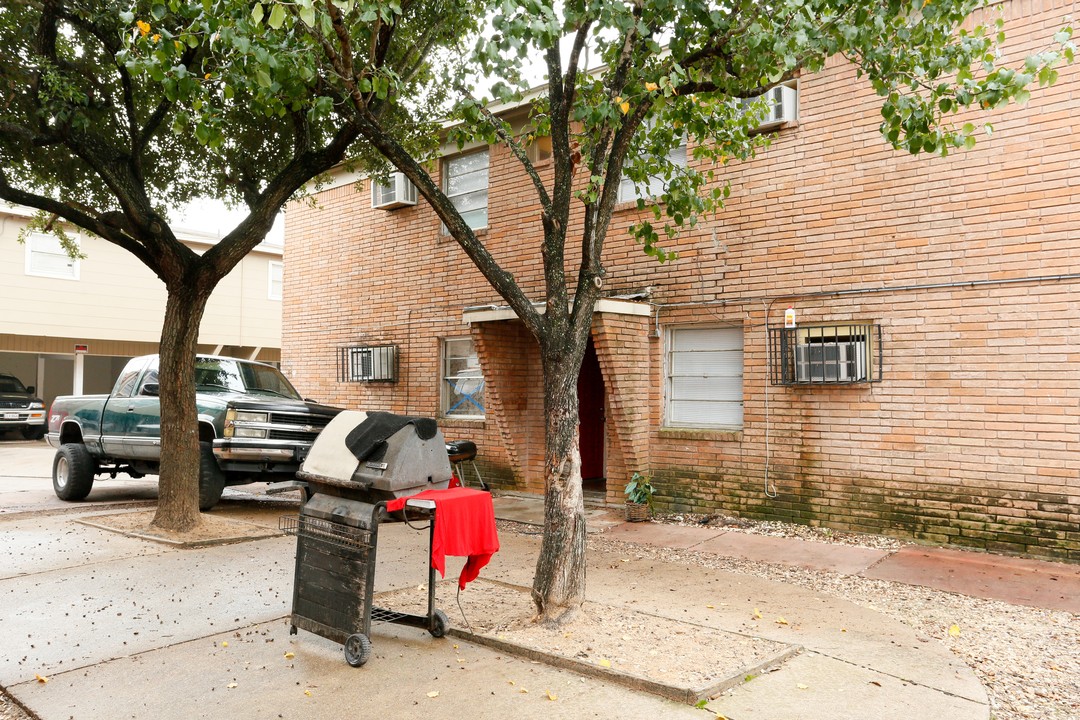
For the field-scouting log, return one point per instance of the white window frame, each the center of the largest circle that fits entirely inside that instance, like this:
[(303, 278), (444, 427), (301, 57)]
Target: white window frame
[(445, 380), (272, 283), (53, 250), (704, 379), (455, 197)]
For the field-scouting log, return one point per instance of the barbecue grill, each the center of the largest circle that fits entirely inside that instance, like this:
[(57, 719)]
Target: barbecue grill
[(358, 463)]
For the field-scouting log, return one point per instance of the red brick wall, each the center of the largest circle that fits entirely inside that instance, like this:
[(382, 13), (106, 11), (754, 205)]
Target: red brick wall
[(971, 437)]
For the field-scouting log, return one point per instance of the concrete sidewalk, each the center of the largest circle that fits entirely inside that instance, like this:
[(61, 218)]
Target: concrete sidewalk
[(123, 627)]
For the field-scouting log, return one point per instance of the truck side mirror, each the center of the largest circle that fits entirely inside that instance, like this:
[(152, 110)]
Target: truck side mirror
[(30, 389), (151, 389)]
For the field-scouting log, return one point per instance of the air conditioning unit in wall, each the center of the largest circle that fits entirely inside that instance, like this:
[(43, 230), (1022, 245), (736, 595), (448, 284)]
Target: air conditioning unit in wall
[(783, 106), (830, 362), (399, 192), (369, 364)]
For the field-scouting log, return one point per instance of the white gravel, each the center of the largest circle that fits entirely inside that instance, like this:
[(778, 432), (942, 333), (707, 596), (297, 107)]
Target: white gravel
[(1027, 658)]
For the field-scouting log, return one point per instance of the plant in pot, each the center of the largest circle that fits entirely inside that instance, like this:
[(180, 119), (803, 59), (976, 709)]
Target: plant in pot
[(639, 495)]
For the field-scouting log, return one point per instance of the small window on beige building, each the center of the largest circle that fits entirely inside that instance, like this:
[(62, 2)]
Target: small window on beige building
[(275, 276), (46, 257)]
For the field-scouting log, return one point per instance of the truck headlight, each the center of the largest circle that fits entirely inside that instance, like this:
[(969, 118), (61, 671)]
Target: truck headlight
[(37, 406), (247, 432), (236, 420)]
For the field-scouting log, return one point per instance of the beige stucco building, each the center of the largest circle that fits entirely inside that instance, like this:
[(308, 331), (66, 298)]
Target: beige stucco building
[(69, 326)]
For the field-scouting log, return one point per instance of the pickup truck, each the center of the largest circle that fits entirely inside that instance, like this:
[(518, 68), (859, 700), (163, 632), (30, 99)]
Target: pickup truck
[(253, 426), (20, 408)]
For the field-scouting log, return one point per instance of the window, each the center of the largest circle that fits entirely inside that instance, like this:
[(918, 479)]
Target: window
[(825, 354), (46, 257), (465, 182), (539, 149), (654, 188), (462, 380), (705, 377), (274, 280)]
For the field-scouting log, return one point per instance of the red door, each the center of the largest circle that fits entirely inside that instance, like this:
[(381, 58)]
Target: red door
[(591, 413)]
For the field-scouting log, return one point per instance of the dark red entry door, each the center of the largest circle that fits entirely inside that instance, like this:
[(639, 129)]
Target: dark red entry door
[(591, 412)]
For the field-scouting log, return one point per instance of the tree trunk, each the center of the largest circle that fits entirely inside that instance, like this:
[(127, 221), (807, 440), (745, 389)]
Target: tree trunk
[(178, 484), (559, 583)]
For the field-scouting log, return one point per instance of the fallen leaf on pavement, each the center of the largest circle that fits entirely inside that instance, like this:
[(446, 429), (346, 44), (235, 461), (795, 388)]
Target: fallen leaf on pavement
[(41, 679), (802, 687), (604, 663), (781, 621), (433, 694), (757, 614), (954, 631), (289, 655), (231, 685), (551, 696)]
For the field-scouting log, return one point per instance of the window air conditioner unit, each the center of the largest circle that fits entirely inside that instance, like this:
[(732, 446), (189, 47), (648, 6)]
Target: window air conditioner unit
[(372, 364), (830, 362), (399, 192), (783, 106)]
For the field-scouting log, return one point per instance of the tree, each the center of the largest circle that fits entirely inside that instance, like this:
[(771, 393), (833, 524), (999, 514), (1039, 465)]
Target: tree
[(113, 112), (671, 70)]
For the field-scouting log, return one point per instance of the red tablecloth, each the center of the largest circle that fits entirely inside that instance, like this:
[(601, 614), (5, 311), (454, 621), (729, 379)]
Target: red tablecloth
[(464, 527)]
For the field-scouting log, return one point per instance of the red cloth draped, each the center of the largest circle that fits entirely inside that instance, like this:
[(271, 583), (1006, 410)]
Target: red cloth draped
[(464, 527)]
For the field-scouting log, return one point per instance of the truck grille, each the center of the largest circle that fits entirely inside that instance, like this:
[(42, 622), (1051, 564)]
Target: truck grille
[(24, 404), (297, 427)]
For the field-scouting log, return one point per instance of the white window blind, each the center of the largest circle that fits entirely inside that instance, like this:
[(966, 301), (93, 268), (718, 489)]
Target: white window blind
[(47, 258), (705, 377)]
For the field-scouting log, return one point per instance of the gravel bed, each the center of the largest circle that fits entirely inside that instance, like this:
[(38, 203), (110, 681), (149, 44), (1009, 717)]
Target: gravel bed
[(780, 529), (1027, 658)]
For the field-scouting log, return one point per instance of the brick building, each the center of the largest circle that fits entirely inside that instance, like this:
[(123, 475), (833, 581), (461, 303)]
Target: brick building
[(930, 387)]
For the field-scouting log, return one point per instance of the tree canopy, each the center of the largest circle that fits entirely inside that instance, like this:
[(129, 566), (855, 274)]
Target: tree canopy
[(116, 113)]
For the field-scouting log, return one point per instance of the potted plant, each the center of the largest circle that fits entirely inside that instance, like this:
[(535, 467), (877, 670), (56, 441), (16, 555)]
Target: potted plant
[(639, 494)]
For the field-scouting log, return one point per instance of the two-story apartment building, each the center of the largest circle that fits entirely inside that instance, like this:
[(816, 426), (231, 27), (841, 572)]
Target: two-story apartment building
[(69, 326), (862, 339)]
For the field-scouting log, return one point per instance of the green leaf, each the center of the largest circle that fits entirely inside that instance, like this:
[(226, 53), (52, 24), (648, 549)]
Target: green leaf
[(277, 16), (257, 13), (307, 15), (157, 11)]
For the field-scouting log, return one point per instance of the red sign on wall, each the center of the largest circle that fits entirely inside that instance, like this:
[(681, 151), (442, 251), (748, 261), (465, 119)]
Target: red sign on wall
[(82, 349)]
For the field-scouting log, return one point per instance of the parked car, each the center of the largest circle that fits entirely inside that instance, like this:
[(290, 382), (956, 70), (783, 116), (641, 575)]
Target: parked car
[(253, 426), (20, 408)]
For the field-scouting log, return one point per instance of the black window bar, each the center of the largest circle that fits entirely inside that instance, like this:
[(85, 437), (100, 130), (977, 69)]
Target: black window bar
[(368, 363), (825, 354)]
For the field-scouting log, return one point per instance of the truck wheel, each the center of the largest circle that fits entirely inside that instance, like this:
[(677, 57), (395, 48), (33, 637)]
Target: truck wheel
[(73, 472), (33, 432), (211, 479)]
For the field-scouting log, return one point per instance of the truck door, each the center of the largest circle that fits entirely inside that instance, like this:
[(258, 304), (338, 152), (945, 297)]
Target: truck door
[(142, 425), (114, 414)]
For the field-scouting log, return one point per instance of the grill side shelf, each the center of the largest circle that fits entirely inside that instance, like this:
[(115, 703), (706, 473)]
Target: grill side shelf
[(316, 529)]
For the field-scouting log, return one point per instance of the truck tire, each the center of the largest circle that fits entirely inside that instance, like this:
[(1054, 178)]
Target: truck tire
[(73, 472), (33, 432), (211, 479)]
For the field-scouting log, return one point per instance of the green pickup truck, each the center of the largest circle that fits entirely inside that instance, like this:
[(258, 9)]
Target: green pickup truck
[(253, 426)]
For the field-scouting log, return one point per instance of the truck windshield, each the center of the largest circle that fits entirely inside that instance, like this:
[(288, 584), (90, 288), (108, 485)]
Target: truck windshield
[(235, 376), (11, 384)]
